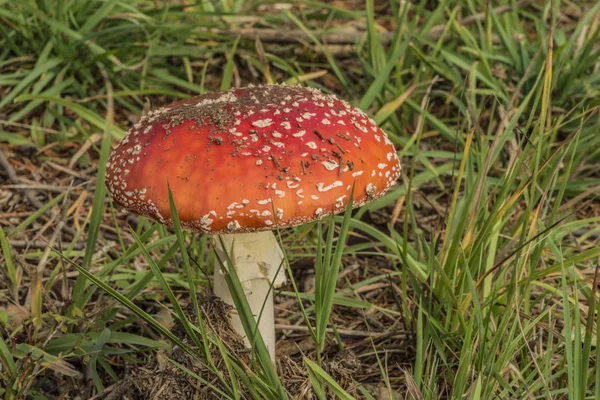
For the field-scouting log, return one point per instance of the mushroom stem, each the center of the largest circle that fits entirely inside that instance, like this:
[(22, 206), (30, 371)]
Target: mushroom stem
[(257, 258)]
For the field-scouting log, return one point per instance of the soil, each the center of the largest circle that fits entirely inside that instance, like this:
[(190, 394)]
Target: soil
[(161, 379)]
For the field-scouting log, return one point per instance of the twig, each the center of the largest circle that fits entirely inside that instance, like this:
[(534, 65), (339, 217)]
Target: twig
[(38, 244), (62, 216), (348, 35), (30, 127), (29, 193), (12, 176), (65, 170), (84, 148), (36, 186), (349, 332), (114, 392), (582, 231)]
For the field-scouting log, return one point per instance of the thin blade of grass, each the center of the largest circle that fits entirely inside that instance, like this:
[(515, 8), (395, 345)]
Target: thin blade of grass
[(323, 376), (11, 268), (188, 273), (328, 275), (185, 322), (248, 322), (228, 71)]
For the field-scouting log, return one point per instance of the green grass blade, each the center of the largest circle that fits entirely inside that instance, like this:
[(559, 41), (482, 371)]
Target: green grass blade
[(78, 109), (228, 71), (249, 323), (320, 373), (188, 271), (34, 216), (11, 269), (97, 213), (329, 275), (158, 275), (7, 358)]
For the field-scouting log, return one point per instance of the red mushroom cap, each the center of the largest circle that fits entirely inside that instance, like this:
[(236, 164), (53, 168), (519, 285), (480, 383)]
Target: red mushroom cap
[(251, 159)]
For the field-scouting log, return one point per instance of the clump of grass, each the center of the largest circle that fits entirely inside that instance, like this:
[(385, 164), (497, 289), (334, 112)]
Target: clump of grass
[(489, 244)]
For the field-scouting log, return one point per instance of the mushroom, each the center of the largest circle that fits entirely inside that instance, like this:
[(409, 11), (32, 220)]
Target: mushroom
[(243, 162)]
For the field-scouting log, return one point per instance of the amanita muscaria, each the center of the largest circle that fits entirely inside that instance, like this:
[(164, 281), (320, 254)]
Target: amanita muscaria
[(246, 161)]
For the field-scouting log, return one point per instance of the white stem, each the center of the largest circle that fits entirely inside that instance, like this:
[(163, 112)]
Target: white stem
[(257, 258)]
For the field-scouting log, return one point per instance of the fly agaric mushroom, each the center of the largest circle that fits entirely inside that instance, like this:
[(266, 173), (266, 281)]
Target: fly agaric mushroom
[(243, 162)]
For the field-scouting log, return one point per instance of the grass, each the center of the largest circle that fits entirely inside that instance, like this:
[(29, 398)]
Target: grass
[(475, 277)]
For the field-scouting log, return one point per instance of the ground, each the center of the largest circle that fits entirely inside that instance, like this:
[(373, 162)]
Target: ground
[(476, 276)]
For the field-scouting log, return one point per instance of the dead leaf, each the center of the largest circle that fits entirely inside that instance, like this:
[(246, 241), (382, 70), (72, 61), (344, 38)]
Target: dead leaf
[(17, 314)]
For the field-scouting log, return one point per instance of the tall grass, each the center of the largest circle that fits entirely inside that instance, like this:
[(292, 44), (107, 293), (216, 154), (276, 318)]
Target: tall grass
[(496, 121)]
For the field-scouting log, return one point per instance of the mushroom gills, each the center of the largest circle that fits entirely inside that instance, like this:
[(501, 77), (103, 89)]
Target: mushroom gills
[(258, 261)]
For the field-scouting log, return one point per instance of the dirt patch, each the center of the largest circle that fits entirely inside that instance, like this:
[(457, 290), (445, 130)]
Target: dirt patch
[(161, 379)]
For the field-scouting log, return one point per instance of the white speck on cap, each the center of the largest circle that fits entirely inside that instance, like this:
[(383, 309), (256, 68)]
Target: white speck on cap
[(330, 165), (322, 188), (371, 189), (233, 226), (262, 123)]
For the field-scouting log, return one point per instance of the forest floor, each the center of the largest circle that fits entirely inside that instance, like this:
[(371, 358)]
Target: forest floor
[(476, 276)]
